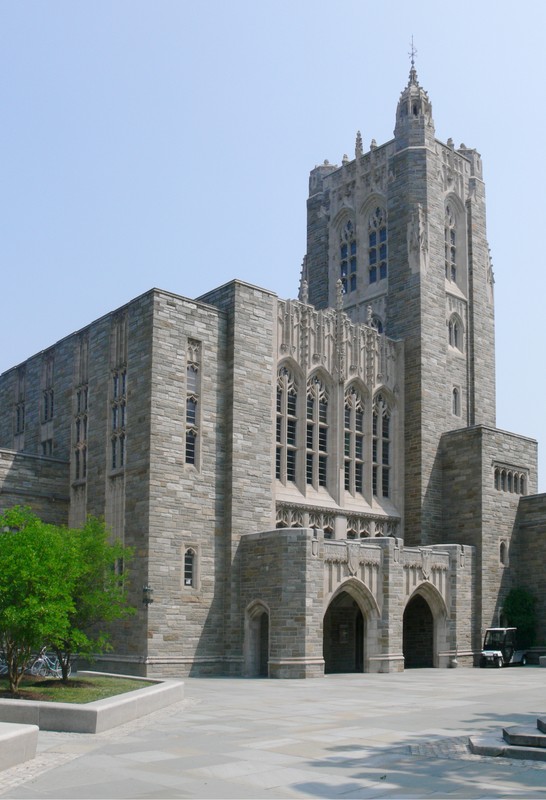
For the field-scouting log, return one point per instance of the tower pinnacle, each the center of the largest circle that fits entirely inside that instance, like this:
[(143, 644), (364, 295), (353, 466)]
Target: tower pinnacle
[(413, 72), (414, 112)]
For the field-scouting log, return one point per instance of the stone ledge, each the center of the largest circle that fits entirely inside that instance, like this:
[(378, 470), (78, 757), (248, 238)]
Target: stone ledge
[(524, 736), (97, 716), (496, 746), (17, 744)]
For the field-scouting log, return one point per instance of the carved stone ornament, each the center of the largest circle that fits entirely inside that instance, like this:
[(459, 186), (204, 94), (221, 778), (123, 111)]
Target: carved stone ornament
[(353, 557), (426, 563)]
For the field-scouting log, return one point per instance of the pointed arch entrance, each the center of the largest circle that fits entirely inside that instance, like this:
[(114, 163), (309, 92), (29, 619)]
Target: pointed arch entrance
[(424, 628), (349, 628), (343, 635), (256, 643)]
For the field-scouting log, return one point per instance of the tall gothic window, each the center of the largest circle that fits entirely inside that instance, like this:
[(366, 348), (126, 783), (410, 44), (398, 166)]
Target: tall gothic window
[(317, 433), (189, 567), (80, 431), (19, 422), (286, 452), (118, 417), (456, 402), (450, 245), (381, 447), (347, 260), (48, 394), (377, 245), (354, 442), (455, 332), (193, 380)]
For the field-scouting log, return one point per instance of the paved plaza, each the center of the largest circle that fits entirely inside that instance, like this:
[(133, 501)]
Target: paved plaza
[(344, 736)]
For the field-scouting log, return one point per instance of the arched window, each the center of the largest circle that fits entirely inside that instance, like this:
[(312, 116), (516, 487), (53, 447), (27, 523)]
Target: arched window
[(450, 245), (497, 478), (455, 332), (503, 553), (377, 323), (354, 442), (193, 379), (286, 453), (381, 447), (347, 261), (456, 402), (317, 433), (377, 245), (190, 567)]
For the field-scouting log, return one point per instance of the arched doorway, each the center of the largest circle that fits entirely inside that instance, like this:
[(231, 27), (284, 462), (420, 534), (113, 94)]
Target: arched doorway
[(418, 636), (343, 642), (256, 646)]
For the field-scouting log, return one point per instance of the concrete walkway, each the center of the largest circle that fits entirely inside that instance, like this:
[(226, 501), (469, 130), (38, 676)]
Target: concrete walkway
[(344, 736)]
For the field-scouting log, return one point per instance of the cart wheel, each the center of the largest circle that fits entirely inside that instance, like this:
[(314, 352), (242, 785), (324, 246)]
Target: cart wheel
[(499, 663), (523, 661)]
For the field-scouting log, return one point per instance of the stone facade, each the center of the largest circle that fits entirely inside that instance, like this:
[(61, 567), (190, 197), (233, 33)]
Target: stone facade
[(308, 485)]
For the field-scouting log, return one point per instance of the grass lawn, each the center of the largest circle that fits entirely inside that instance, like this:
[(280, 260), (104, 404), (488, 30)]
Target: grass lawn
[(76, 690)]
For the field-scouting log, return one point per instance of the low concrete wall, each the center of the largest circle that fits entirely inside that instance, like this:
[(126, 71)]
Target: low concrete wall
[(93, 717), (17, 744)]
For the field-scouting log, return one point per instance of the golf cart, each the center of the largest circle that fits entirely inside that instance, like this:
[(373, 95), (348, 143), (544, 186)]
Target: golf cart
[(500, 648)]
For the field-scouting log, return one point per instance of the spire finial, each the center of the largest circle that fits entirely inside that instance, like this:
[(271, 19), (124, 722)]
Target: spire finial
[(412, 53), (413, 72)]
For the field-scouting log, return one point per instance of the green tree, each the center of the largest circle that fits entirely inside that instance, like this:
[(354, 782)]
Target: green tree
[(98, 591), (35, 597), (519, 610)]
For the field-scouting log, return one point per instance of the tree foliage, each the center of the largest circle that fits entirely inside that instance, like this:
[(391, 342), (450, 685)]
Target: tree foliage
[(99, 593), (35, 598), (58, 587), (519, 612)]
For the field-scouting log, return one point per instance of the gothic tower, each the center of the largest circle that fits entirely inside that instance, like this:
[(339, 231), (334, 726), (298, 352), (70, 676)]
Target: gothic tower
[(402, 226)]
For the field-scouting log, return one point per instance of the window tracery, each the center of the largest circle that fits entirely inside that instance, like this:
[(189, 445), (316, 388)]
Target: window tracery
[(118, 416), (358, 528), (455, 332), (347, 253), (354, 442), (193, 381), (317, 433), (287, 425), (381, 447), (377, 245), (450, 245)]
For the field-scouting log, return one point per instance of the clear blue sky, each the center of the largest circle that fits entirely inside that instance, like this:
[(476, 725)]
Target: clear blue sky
[(168, 144)]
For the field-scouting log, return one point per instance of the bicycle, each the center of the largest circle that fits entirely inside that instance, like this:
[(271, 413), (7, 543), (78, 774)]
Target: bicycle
[(46, 666)]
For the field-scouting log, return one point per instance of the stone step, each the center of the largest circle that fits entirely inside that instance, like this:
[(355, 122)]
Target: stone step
[(496, 746), (541, 724), (524, 736)]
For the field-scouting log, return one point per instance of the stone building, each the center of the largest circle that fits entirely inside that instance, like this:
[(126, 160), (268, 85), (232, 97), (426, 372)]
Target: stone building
[(309, 485)]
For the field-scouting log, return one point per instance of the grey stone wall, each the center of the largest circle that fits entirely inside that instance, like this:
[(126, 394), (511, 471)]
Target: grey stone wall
[(249, 391), (185, 623), (478, 514), (35, 482), (528, 555), (282, 570)]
